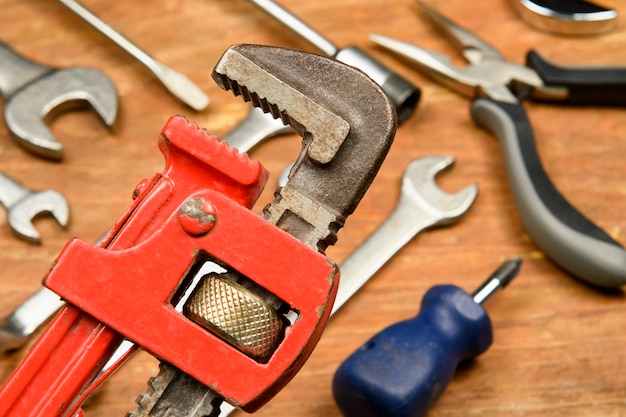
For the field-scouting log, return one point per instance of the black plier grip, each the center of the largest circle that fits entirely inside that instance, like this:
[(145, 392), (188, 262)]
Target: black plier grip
[(562, 232), (593, 86)]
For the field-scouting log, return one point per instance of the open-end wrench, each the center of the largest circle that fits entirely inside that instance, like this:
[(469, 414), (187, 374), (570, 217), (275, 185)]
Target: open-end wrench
[(422, 205), (33, 92), (23, 205)]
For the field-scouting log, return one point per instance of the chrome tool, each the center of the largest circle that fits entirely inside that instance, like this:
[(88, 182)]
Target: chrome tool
[(33, 92)]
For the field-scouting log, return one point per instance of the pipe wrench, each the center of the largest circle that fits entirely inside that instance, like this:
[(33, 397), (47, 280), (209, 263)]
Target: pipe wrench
[(191, 275)]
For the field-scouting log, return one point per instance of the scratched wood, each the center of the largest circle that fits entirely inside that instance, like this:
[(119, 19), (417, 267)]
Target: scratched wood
[(560, 345)]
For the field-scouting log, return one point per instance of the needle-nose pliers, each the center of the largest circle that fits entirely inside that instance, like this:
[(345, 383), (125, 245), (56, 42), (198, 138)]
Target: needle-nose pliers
[(497, 88)]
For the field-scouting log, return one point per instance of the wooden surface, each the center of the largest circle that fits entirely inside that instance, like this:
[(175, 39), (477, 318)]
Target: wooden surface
[(560, 345)]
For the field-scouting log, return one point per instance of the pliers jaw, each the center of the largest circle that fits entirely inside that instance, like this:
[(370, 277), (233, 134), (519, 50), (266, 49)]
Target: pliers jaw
[(487, 74), (474, 49)]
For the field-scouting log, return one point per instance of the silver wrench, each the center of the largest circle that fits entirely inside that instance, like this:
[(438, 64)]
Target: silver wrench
[(23, 205), (33, 92), (422, 205)]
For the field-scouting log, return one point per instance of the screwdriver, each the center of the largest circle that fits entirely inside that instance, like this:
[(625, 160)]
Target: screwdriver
[(177, 84), (404, 369)]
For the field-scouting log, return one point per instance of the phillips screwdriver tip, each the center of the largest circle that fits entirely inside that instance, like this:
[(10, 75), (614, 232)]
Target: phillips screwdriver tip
[(499, 279)]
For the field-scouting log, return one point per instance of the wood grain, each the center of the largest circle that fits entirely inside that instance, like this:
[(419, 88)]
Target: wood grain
[(560, 345)]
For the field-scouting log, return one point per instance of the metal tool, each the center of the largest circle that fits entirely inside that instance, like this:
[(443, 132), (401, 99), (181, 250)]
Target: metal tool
[(422, 205), (207, 221), (33, 92), (403, 370), (24, 204), (19, 326), (565, 235), (177, 84), (567, 17)]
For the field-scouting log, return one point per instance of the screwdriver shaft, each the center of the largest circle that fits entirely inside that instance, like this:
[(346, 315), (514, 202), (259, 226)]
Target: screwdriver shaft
[(176, 83), (498, 280), (298, 26)]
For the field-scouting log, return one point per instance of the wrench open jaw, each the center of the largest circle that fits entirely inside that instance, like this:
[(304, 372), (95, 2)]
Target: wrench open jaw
[(24, 205), (422, 205), (21, 215), (419, 184), (34, 93)]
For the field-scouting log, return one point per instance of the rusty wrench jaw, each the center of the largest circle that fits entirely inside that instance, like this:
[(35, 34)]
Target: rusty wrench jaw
[(329, 138), (34, 92)]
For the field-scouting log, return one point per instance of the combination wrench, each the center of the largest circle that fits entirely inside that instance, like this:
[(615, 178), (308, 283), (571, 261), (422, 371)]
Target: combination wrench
[(33, 92), (422, 205)]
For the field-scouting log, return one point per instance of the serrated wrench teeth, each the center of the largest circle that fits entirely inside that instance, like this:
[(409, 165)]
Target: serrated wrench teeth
[(34, 93)]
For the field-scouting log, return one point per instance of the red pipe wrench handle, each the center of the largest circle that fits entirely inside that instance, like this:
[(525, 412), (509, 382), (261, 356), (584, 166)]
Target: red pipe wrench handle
[(62, 364)]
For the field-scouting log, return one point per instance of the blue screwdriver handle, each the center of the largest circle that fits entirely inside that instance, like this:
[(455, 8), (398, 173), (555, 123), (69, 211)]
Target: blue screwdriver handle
[(404, 369)]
